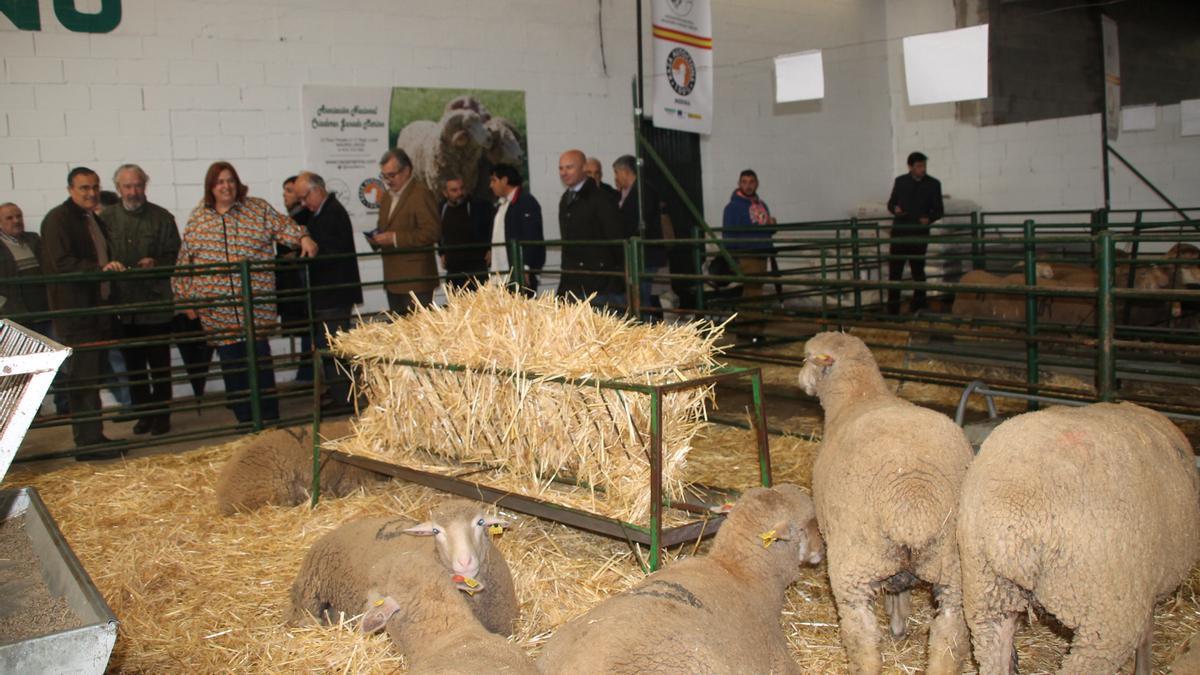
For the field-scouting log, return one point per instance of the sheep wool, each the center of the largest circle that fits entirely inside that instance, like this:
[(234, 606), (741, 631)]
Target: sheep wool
[(275, 467), (1093, 514), (886, 486), (432, 624), (342, 566), (715, 614)]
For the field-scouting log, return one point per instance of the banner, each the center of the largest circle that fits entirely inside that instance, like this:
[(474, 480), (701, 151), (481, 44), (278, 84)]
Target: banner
[(682, 65), (347, 130)]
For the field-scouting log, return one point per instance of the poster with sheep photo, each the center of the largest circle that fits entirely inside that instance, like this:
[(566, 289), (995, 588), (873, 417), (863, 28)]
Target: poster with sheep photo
[(459, 132)]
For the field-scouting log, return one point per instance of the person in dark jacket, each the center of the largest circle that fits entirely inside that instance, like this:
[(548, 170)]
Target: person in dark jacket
[(594, 170), (916, 202), (518, 218), (654, 216), (329, 225), (20, 256), (747, 233), (144, 236), (465, 221), (586, 213), (76, 241)]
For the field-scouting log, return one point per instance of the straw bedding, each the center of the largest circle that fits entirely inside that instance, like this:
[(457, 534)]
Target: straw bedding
[(503, 415), (199, 592)]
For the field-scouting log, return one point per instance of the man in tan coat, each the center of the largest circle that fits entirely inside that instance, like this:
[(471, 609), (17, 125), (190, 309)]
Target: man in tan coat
[(408, 219)]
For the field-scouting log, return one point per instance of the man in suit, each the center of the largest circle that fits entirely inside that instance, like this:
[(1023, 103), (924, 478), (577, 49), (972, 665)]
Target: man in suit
[(408, 219), (75, 240), (586, 213), (916, 201), (657, 224), (594, 170), (335, 265), (518, 218)]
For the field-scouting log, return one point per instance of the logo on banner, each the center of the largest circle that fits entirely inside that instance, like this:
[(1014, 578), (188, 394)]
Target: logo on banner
[(681, 7), (681, 71), (370, 192)]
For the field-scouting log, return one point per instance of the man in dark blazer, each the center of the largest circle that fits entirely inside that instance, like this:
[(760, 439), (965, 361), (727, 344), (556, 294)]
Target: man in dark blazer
[(587, 213), (74, 240), (916, 201), (658, 227), (518, 218), (335, 265)]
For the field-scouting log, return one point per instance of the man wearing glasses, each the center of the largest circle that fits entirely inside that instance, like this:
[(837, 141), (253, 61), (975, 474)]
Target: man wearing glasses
[(408, 219)]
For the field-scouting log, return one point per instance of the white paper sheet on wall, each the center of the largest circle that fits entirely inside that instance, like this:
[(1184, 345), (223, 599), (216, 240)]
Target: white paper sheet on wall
[(1139, 118), (947, 66), (1189, 117), (799, 77)]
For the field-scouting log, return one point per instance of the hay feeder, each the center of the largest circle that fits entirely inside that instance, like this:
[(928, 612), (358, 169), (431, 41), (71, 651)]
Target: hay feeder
[(700, 510), (53, 617)]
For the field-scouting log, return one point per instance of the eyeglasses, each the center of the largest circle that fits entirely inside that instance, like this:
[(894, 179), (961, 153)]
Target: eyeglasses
[(388, 175), (305, 195)]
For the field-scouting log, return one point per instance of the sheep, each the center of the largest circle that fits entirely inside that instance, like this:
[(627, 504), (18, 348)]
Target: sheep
[(342, 565), (448, 148), (994, 305), (275, 467), (713, 614), (1187, 661), (431, 622), (1091, 513), (886, 484)]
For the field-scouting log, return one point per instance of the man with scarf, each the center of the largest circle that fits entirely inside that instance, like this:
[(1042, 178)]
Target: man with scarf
[(746, 231)]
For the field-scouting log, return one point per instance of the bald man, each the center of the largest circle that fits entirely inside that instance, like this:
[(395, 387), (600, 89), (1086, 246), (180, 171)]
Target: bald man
[(594, 170), (586, 213)]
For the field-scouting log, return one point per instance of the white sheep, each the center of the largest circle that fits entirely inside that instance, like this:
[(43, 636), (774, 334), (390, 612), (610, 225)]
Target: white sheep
[(448, 148), (1093, 514), (886, 485), (713, 614), (432, 623), (344, 564), (275, 467)]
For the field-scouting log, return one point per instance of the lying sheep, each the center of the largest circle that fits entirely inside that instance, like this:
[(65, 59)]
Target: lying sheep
[(886, 485), (344, 564), (1091, 513), (982, 305), (448, 148), (713, 614), (432, 623), (275, 467), (1187, 661)]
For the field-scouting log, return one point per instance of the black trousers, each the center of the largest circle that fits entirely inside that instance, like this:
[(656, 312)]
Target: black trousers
[(149, 369), (330, 321), (466, 277), (911, 254), (402, 303), (83, 399)]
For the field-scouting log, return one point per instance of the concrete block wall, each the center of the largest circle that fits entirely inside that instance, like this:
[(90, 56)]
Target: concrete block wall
[(180, 84), (1047, 164)]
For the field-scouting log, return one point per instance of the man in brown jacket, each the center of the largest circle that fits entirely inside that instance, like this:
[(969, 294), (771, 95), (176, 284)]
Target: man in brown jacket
[(408, 219), (74, 240)]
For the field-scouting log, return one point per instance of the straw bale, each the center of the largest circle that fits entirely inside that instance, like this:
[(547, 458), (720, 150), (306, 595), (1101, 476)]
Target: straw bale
[(504, 414), (201, 593)]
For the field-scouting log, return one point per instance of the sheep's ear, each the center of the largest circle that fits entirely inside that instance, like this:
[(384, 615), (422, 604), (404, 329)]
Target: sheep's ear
[(378, 613), (425, 529), (814, 547), (823, 360), (495, 521)]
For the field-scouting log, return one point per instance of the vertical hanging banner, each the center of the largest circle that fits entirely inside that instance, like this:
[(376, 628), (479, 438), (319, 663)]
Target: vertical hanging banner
[(683, 93), (1112, 76)]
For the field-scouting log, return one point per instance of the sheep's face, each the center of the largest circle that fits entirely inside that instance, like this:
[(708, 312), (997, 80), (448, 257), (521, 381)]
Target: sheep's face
[(460, 532), (816, 368), (462, 128), (823, 353)]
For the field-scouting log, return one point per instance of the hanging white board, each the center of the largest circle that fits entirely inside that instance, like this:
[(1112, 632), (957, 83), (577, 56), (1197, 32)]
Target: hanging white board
[(799, 77), (947, 66)]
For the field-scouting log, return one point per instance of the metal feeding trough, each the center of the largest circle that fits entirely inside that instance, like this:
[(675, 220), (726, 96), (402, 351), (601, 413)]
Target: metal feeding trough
[(28, 363)]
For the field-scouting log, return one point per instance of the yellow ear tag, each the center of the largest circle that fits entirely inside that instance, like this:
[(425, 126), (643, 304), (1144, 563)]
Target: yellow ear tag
[(496, 530), (768, 538), (379, 602)]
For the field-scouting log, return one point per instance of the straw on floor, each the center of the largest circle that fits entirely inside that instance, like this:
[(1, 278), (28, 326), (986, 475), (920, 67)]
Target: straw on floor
[(504, 416), (197, 592)]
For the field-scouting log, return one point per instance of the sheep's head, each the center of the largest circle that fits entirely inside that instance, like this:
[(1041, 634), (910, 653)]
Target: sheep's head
[(460, 532), (461, 128), (468, 102), (825, 354), (781, 520), (504, 144)]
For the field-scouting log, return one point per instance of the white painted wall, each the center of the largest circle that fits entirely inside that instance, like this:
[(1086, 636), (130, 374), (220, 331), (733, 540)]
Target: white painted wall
[(1048, 164)]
